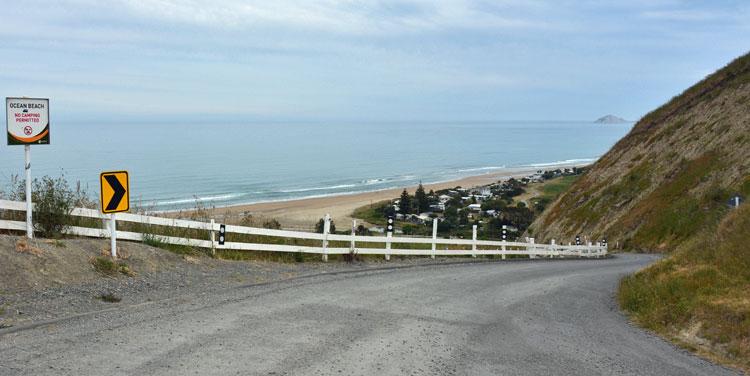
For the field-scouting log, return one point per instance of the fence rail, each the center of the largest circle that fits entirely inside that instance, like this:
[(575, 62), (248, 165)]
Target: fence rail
[(471, 247)]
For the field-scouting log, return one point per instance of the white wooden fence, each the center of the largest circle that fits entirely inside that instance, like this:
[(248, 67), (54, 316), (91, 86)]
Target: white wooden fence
[(438, 247)]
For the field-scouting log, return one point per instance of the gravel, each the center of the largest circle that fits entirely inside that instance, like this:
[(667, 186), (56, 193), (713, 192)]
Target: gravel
[(513, 318)]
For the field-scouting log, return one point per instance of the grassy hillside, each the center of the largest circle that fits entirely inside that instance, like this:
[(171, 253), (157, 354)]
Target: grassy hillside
[(700, 296), (664, 188), (671, 176)]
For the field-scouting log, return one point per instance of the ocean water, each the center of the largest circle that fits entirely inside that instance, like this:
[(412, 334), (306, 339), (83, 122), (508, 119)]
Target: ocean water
[(173, 165)]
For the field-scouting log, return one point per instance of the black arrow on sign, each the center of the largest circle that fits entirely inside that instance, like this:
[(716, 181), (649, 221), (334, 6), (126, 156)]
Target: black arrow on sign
[(114, 202)]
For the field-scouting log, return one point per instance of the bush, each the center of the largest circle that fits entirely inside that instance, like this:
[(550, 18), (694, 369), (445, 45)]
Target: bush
[(53, 201), (321, 224)]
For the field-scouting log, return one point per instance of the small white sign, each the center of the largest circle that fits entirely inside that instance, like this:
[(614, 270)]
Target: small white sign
[(27, 121)]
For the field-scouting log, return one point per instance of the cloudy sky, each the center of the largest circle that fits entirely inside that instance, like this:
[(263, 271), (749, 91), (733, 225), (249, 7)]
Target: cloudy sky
[(363, 60)]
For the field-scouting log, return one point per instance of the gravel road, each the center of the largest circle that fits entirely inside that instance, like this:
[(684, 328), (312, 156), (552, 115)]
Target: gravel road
[(511, 318)]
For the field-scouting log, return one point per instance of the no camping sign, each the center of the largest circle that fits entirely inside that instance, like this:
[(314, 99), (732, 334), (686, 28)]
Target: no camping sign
[(27, 121)]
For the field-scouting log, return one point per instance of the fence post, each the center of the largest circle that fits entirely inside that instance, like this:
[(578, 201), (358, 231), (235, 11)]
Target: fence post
[(213, 239), (474, 241), (354, 232), (113, 235), (434, 236), (532, 250), (388, 245), (552, 249), (326, 230), (503, 250)]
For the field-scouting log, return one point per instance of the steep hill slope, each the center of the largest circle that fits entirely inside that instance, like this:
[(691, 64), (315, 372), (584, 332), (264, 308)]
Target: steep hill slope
[(670, 177), (665, 187)]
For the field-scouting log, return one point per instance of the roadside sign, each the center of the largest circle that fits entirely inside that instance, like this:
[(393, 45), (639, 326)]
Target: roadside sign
[(27, 121), (389, 225), (115, 195), (735, 201)]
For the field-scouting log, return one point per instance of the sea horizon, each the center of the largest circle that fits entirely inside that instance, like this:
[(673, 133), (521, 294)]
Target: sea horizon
[(220, 165)]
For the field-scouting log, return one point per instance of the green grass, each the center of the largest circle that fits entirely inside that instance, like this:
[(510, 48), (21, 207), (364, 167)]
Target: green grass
[(555, 187), (107, 266), (704, 282), (372, 213)]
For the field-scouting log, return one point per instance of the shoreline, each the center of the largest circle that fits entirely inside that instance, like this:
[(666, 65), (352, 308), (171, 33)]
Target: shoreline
[(303, 213)]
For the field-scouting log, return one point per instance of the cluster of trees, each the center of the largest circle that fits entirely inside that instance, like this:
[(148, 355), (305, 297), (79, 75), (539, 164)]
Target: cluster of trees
[(419, 203)]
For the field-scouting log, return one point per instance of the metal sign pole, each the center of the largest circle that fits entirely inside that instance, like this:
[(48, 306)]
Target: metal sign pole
[(113, 235), (27, 167)]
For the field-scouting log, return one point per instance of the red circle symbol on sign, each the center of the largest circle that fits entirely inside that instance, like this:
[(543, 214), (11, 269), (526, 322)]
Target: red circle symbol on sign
[(27, 130)]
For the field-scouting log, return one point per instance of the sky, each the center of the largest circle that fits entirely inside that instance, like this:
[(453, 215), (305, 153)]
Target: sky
[(231, 60)]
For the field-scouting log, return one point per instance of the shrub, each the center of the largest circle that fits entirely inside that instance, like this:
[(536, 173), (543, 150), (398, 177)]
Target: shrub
[(53, 199), (321, 223)]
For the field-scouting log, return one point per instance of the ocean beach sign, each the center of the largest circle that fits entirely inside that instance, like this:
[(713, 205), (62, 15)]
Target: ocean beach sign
[(27, 121)]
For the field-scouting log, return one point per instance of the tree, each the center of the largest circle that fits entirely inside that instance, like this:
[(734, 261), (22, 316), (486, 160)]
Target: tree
[(423, 204), (405, 204)]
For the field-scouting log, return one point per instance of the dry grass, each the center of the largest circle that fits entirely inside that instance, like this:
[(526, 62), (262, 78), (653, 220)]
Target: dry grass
[(23, 246), (700, 295)]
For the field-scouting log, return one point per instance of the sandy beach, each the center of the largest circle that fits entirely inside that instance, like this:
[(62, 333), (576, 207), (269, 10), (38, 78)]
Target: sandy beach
[(302, 214)]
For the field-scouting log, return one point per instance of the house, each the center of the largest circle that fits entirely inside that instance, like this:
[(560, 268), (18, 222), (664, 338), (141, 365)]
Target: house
[(399, 216), (438, 207), (425, 217), (475, 207), (491, 213), (444, 198)]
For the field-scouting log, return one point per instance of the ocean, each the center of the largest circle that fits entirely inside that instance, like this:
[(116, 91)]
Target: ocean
[(173, 165)]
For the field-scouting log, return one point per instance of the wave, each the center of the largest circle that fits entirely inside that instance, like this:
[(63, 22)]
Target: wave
[(227, 196), (298, 190), (482, 168), (565, 162), (362, 186)]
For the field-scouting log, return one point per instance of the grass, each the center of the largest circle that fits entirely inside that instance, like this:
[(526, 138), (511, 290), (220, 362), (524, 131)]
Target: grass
[(107, 266), (109, 297), (555, 187), (372, 213), (703, 285), (154, 241)]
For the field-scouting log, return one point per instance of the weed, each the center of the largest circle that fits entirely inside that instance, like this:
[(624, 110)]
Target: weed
[(109, 297), (107, 266)]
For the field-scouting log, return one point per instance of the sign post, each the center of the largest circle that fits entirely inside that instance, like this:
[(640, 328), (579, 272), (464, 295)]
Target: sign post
[(27, 123), (115, 198), (388, 235)]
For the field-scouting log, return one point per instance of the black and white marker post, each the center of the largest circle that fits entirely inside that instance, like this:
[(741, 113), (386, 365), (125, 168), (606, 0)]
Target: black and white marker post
[(578, 239), (505, 238), (388, 235)]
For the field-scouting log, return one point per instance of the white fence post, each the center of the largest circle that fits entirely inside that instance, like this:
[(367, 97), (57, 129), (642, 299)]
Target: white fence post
[(552, 248), (531, 248), (354, 232), (29, 210), (326, 230), (474, 241), (213, 238), (388, 245), (434, 236), (113, 235)]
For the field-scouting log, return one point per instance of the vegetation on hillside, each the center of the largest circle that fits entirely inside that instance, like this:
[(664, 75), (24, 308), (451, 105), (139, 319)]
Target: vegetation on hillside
[(665, 187), (700, 295)]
